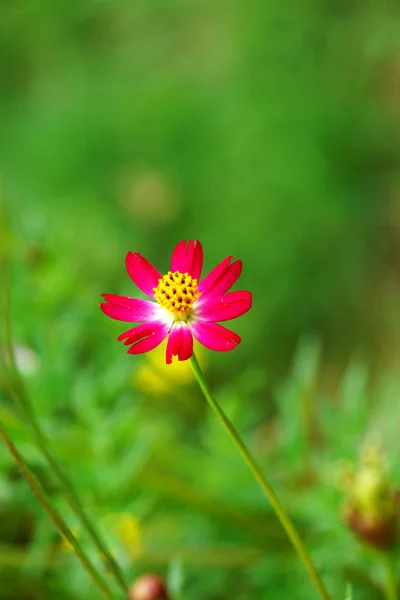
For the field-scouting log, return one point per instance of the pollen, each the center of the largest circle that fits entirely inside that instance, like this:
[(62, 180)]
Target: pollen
[(176, 292)]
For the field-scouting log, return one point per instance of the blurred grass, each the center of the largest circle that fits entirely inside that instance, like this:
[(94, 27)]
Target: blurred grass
[(269, 131)]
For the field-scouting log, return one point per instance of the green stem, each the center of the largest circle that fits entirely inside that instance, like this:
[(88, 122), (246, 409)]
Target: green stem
[(390, 578), (54, 515), (268, 491), (22, 399)]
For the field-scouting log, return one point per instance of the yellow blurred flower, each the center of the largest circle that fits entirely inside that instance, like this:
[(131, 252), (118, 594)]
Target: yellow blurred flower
[(154, 376), (126, 527)]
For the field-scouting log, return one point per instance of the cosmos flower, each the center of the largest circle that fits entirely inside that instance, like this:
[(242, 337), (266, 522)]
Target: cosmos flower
[(183, 305)]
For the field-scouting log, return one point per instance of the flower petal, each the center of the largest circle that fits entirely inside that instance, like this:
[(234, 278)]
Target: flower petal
[(123, 308), (142, 272), (178, 257), (220, 279), (214, 336), (144, 337), (224, 307), (188, 259), (180, 342)]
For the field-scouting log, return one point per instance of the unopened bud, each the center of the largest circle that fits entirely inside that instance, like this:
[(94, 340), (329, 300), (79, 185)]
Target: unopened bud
[(371, 510), (380, 532), (148, 587)]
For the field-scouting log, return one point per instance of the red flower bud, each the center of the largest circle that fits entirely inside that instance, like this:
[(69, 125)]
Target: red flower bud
[(380, 532), (371, 509), (149, 586)]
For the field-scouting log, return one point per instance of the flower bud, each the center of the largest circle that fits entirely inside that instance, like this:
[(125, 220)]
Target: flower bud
[(149, 586), (371, 510)]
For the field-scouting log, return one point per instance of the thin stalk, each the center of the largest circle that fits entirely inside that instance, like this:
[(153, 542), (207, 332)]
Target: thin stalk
[(390, 578), (54, 514), (22, 399), (265, 486)]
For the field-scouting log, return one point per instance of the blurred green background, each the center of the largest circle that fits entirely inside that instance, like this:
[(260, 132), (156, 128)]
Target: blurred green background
[(269, 131)]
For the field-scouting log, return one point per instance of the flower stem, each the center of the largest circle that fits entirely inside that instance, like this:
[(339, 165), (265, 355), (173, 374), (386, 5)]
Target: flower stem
[(21, 397), (54, 515), (390, 578), (268, 491)]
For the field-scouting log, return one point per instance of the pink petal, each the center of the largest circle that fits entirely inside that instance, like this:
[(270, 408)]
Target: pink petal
[(180, 342), (221, 278), (142, 272), (224, 307), (145, 337), (188, 259), (178, 256), (214, 336), (127, 309), (137, 333)]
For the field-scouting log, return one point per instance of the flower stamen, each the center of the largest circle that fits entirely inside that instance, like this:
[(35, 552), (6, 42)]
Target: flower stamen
[(176, 292)]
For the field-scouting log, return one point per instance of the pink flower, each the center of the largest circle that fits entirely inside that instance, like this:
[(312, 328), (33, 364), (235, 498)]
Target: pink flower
[(183, 306)]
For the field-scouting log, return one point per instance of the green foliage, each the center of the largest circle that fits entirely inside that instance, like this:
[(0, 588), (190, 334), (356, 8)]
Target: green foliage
[(268, 130)]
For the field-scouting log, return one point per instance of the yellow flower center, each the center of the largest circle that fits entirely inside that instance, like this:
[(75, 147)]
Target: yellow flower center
[(176, 292)]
